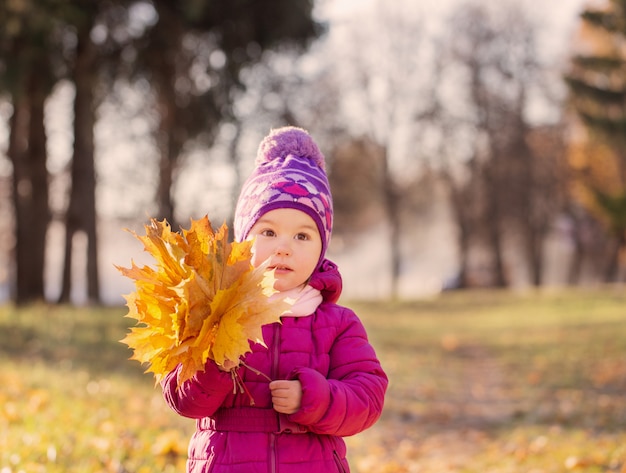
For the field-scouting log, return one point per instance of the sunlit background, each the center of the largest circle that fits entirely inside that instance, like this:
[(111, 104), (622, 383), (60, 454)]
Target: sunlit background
[(471, 144), (392, 77)]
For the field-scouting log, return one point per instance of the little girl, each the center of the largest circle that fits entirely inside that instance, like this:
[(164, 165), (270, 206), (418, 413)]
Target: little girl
[(327, 382)]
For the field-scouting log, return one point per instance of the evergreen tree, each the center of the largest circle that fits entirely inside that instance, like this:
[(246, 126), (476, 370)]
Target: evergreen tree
[(597, 84)]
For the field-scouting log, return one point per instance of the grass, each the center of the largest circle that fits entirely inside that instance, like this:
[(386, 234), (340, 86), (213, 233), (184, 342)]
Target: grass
[(497, 382), (480, 382)]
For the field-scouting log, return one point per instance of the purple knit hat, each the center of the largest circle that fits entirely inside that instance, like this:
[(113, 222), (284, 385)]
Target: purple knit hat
[(290, 173)]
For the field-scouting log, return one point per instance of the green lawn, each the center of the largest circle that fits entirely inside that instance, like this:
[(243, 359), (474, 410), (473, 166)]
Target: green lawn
[(480, 382)]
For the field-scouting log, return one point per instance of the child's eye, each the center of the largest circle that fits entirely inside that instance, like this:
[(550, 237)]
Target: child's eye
[(268, 233), (302, 236)]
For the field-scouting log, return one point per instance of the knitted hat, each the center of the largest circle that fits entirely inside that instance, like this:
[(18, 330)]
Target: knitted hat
[(290, 174)]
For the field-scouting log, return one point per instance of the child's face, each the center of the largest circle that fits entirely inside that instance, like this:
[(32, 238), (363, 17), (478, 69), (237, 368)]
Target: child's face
[(290, 240)]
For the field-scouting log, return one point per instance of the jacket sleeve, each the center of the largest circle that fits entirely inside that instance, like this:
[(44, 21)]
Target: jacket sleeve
[(199, 396), (351, 399)]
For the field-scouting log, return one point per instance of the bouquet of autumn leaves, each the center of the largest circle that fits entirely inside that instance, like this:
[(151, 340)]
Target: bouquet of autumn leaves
[(204, 300)]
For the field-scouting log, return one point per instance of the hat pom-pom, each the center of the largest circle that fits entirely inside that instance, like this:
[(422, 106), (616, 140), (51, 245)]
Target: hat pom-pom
[(286, 141)]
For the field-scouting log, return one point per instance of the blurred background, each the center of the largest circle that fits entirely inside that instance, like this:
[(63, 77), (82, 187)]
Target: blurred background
[(469, 143)]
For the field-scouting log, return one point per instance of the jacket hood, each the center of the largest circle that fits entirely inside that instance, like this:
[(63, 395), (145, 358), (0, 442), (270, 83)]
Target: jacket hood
[(327, 279)]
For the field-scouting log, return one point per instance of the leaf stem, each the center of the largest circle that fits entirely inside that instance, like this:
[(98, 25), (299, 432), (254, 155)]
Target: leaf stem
[(254, 370), (238, 383)]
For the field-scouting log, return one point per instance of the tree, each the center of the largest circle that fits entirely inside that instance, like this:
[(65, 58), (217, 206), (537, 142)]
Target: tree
[(93, 31), (193, 57), (382, 83), (596, 187), (502, 171), (597, 84), (42, 44), (81, 212), (355, 175), (192, 53), (547, 194), (26, 57)]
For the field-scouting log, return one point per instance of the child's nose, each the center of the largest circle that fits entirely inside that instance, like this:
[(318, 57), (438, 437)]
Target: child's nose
[(283, 248)]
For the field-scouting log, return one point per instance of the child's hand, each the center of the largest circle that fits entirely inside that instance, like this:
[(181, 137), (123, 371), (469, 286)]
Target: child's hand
[(286, 396)]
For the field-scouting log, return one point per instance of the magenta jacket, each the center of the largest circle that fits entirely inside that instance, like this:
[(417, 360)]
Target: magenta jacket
[(343, 393)]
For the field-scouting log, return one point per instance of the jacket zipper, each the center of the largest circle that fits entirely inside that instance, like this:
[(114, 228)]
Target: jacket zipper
[(273, 462), (276, 351), (273, 375)]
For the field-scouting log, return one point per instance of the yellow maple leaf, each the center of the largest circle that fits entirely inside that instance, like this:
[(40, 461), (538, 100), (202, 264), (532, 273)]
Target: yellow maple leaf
[(202, 300)]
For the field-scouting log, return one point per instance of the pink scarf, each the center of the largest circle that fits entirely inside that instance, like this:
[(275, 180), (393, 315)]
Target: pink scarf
[(305, 300)]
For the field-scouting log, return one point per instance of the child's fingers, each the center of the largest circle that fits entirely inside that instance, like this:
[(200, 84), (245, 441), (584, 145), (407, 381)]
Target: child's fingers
[(279, 384), (286, 396)]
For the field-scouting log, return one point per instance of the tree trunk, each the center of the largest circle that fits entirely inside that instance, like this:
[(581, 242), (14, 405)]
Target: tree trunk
[(393, 217), (493, 222), (235, 161), (169, 141), (396, 248), (494, 241), (612, 268), (576, 263), (621, 259), (39, 179), (22, 191), (81, 212), (167, 163), (460, 209), (535, 255), (27, 151), (170, 146), (529, 218)]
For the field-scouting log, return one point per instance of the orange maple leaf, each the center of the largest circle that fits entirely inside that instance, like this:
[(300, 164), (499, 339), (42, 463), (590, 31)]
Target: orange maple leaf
[(203, 300)]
